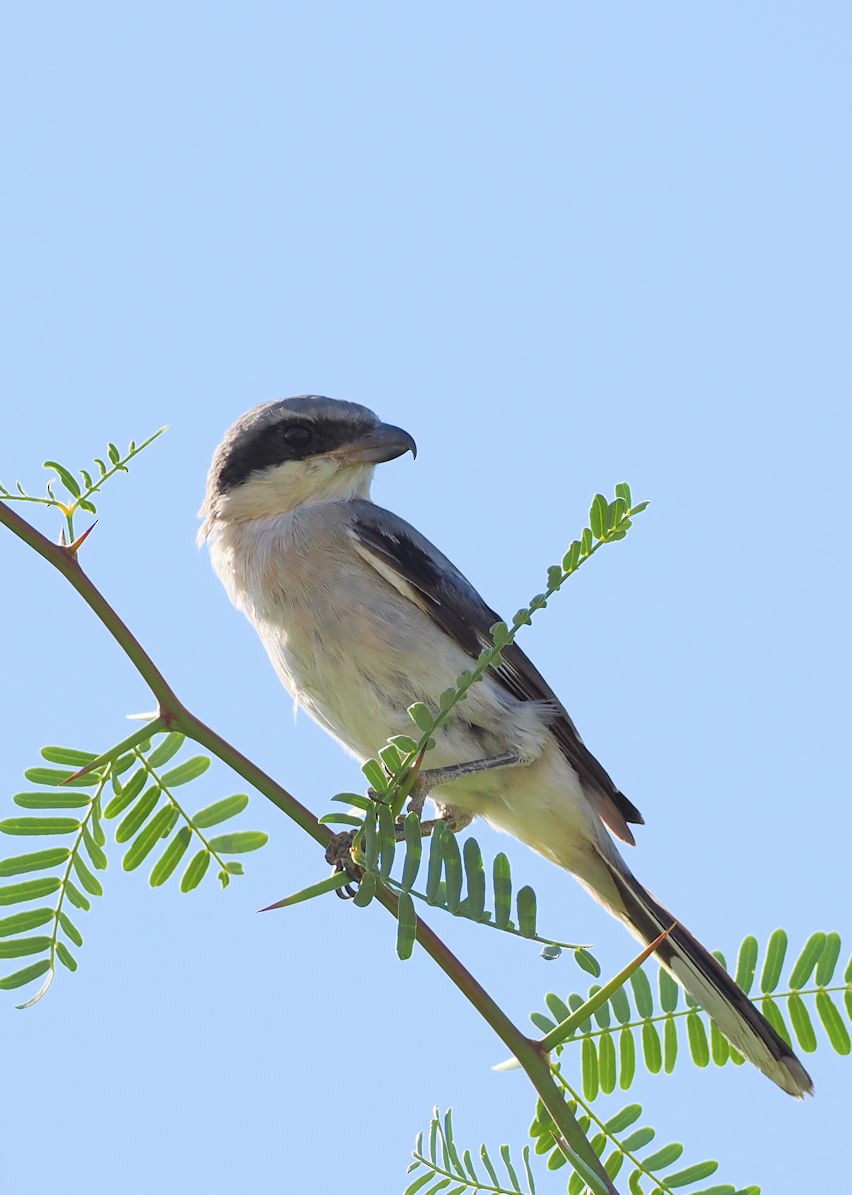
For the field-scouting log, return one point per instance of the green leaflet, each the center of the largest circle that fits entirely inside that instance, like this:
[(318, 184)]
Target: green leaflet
[(147, 838), (189, 770), (39, 825), (16, 947), (64, 799), (27, 919), (37, 861), (13, 894), (239, 842), (166, 749), (19, 978), (195, 873), (220, 811), (170, 857)]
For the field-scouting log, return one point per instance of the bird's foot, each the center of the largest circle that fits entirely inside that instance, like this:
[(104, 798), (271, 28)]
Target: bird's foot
[(339, 855)]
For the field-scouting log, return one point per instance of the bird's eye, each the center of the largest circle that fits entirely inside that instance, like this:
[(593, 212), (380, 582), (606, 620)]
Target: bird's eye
[(297, 435)]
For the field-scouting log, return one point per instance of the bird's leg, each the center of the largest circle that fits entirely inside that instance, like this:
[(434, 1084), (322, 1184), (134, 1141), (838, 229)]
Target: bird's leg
[(454, 819), (433, 777)]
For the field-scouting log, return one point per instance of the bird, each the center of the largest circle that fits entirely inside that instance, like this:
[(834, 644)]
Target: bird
[(361, 616)]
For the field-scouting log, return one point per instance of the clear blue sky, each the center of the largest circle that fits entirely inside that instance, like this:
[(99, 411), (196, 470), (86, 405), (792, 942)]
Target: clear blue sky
[(563, 246)]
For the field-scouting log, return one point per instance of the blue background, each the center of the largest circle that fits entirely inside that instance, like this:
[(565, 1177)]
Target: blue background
[(563, 246)]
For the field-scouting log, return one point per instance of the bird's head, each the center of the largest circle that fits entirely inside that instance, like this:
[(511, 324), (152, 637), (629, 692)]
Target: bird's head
[(284, 454)]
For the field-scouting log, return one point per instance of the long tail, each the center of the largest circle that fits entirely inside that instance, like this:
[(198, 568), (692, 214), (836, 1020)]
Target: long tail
[(707, 981)]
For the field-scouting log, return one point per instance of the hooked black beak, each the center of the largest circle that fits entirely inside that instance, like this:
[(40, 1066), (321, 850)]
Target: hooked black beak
[(384, 442)]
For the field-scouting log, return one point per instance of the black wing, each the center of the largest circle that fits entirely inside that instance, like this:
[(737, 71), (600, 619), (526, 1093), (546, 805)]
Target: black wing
[(425, 576)]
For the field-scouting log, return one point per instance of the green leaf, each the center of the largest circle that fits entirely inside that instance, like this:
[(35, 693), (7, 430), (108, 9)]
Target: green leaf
[(13, 894), (642, 994), (502, 891), (170, 857), (588, 963), (97, 856), (67, 478), (832, 1022), (597, 516), (27, 919), (76, 896), (125, 794), (37, 861), (146, 839), (747, 964), (669, 1044), (638, 1140), (626, 1058), (651, 1047), (828, 961), (66, 799), (16, 947), (663, 1157), (475, 875), (620, 1006), (589, 1061), (376, 776), (691, 1174), (801, 1023), (413, 850), (773, 1015), (622, 490), (406, 926), (194, 874), (53, 777), (571, 559), (525, 903), (19, 978), (669, 991), (697, 1038), (340, 819), (211, 815), (807, 960), (138, 815), (421, 716), (390, 757), (67, 755), (189, 770), (720, 1049), (366, 890), (606, 1063), (238, 843), (90, 882), (166, 749), (70, 929), (65, 956), (452, 871), (624, 1119), (775, 951), (433, 873), (387, 840), (40, 825)]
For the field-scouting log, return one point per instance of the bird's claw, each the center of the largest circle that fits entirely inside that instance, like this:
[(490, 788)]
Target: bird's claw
[(338, 854)]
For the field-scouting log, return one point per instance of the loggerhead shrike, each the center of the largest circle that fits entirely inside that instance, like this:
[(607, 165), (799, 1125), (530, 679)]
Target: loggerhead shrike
[(361, 616)]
